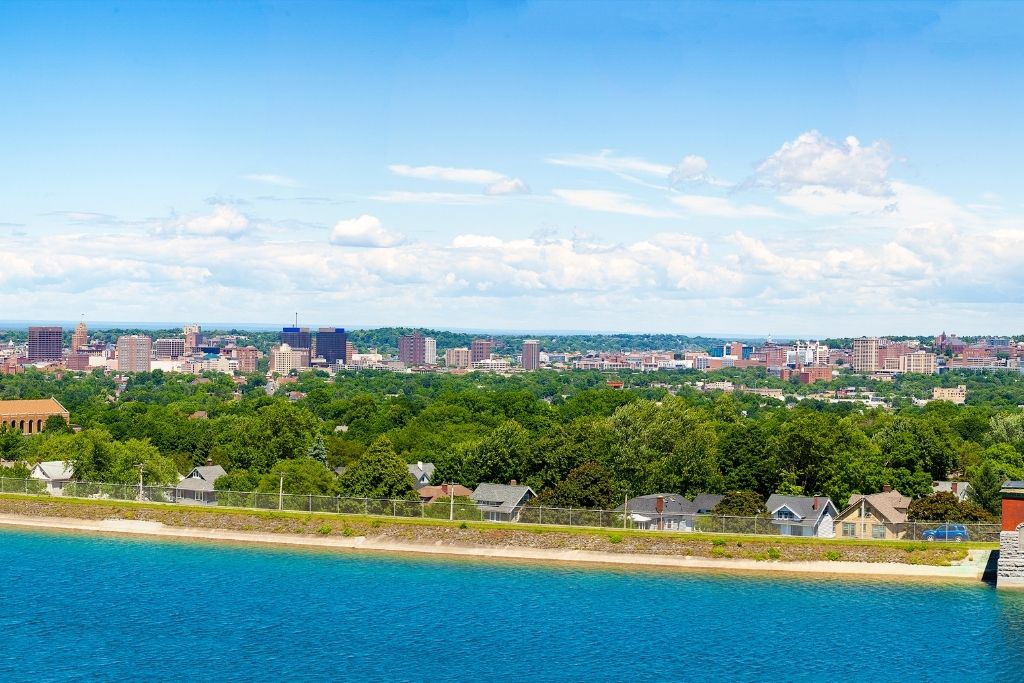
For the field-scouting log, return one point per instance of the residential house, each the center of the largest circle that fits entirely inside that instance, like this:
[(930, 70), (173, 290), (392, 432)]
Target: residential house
[(502, 502), (960, 489), (56, 474), (705, 503), (421, 472), (803, 515), (877, 515), (660, 511), (197, 486), (428, 494)]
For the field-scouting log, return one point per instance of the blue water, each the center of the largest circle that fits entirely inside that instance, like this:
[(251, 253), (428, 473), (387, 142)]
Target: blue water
[(87, 608)]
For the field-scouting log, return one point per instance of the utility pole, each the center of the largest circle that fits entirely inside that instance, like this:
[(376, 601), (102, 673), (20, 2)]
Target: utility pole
[(142, 468)]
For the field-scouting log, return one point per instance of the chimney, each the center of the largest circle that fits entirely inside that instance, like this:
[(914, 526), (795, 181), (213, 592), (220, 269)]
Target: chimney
[(659, 504), (886, 489), (419, 464), (954, 486), (444, 489), (209, 462), (817, 503), (513, 483)]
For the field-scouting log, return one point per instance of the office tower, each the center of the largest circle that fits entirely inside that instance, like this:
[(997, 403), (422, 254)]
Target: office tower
[(172, 348), (45, 343), (332, 344), (80, 338), (412, 349), (134, 352), (481, 349), (429, 351), (297, 338), (247, 357), (284, 359), (531, 354), (193, 339), (865, 354), (457, 358), (350, 351)]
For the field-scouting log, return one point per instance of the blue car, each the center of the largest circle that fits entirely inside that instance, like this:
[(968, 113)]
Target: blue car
[(947, 532)]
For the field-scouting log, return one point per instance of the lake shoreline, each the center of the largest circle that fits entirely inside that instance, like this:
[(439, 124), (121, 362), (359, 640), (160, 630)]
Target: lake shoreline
[(972, 570)]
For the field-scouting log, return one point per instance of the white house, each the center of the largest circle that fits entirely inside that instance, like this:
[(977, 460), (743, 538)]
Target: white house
[(56, 473), (803, 515), (197, 486)]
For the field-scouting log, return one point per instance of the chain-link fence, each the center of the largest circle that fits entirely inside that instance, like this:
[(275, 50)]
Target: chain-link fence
[(465, 510)]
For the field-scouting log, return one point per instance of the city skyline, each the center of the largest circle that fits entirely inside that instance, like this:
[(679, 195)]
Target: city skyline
[(517, 167)]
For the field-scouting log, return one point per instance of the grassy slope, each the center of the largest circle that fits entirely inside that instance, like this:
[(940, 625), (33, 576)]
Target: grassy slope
[(497, 534)]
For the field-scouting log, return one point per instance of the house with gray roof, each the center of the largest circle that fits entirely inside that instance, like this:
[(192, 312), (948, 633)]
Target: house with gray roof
[(705, 503), (502, 502), (197, 486), (421, 472), (803, 515), (960, 489), (56, 473), (660, 512)]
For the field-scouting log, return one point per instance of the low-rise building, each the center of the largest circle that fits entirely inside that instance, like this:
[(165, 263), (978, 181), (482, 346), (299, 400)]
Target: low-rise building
[(55, 473), (29, 415), (880, 516), (803, 515), (957, 394), (502, 502)]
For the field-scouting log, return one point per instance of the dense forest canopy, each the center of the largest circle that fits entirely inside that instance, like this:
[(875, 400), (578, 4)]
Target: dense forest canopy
[(573, 439)]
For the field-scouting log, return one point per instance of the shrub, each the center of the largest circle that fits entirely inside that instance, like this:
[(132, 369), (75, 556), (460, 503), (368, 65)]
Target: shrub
[(348, 531), (832, 556), (325, 530), (774, 554), (463, 526), (717, 542), (615, 538)]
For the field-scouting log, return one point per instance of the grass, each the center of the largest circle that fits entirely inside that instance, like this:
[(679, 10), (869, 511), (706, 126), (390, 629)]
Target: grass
[(372, 520)]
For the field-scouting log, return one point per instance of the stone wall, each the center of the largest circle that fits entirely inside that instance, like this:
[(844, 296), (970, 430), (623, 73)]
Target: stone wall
[(1010, 572)]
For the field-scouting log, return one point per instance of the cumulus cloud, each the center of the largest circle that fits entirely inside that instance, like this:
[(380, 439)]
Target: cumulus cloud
[(610, 202), (224, 221), (272, 179), (364, 231), (813, 160), (692, 169), (494, 183)]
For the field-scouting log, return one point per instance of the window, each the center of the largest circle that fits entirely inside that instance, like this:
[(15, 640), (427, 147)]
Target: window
[(849, 529), (877, 531), (784, 514)]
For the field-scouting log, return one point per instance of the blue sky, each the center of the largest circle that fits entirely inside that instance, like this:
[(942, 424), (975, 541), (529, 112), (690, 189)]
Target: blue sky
[(811, 169)]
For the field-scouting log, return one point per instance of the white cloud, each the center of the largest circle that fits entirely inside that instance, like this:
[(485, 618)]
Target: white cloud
[(814, 160), (610, 202), (272, 179), (605, 160), (719, 207), (224, 221), (364, 231), (691, 169), (494, 183)]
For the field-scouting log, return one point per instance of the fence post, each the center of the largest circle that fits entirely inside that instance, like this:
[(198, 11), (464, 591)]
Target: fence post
[(570, 516), (394, 508), (366, 506), (540, 516)]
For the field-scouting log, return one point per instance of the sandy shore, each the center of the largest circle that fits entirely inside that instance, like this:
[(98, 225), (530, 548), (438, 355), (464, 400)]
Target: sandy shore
[(971, 569)]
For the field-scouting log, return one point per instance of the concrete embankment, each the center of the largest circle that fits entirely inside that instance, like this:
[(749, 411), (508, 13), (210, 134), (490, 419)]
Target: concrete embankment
[(969, 569)]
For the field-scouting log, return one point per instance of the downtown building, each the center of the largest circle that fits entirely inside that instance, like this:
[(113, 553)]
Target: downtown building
[(45, 344), (170, 348), (80, 339), (457, 358), (865, 355), (412, 349), (332, 345), (481, 349), (284, 359), (297, 338), (531, 354), (134, 353)]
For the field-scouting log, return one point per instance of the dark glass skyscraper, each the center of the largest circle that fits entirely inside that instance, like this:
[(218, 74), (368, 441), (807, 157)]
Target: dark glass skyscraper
[(331, 344), (297, 337)]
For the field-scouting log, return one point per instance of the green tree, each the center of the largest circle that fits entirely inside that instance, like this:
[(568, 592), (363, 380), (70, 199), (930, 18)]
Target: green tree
[(318, 451), (986, 481), (946, 507), (55, 424), (501, 456), (379, 473), (740, 504), (590, 485)]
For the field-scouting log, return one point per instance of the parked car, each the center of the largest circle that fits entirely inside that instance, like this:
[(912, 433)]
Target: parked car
[(947, 532)]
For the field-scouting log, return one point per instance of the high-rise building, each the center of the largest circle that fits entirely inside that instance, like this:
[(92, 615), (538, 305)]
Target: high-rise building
[(412, 349), (919, 362), (332, 344), (865, 354), (173, 347), (350, 351), (531, 354), (193, 339), (80, 338), (134, 353), (457, 358), (480, 349), (247, 357), (45, 343), (284, 359), (429, 351), (297, 338)]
